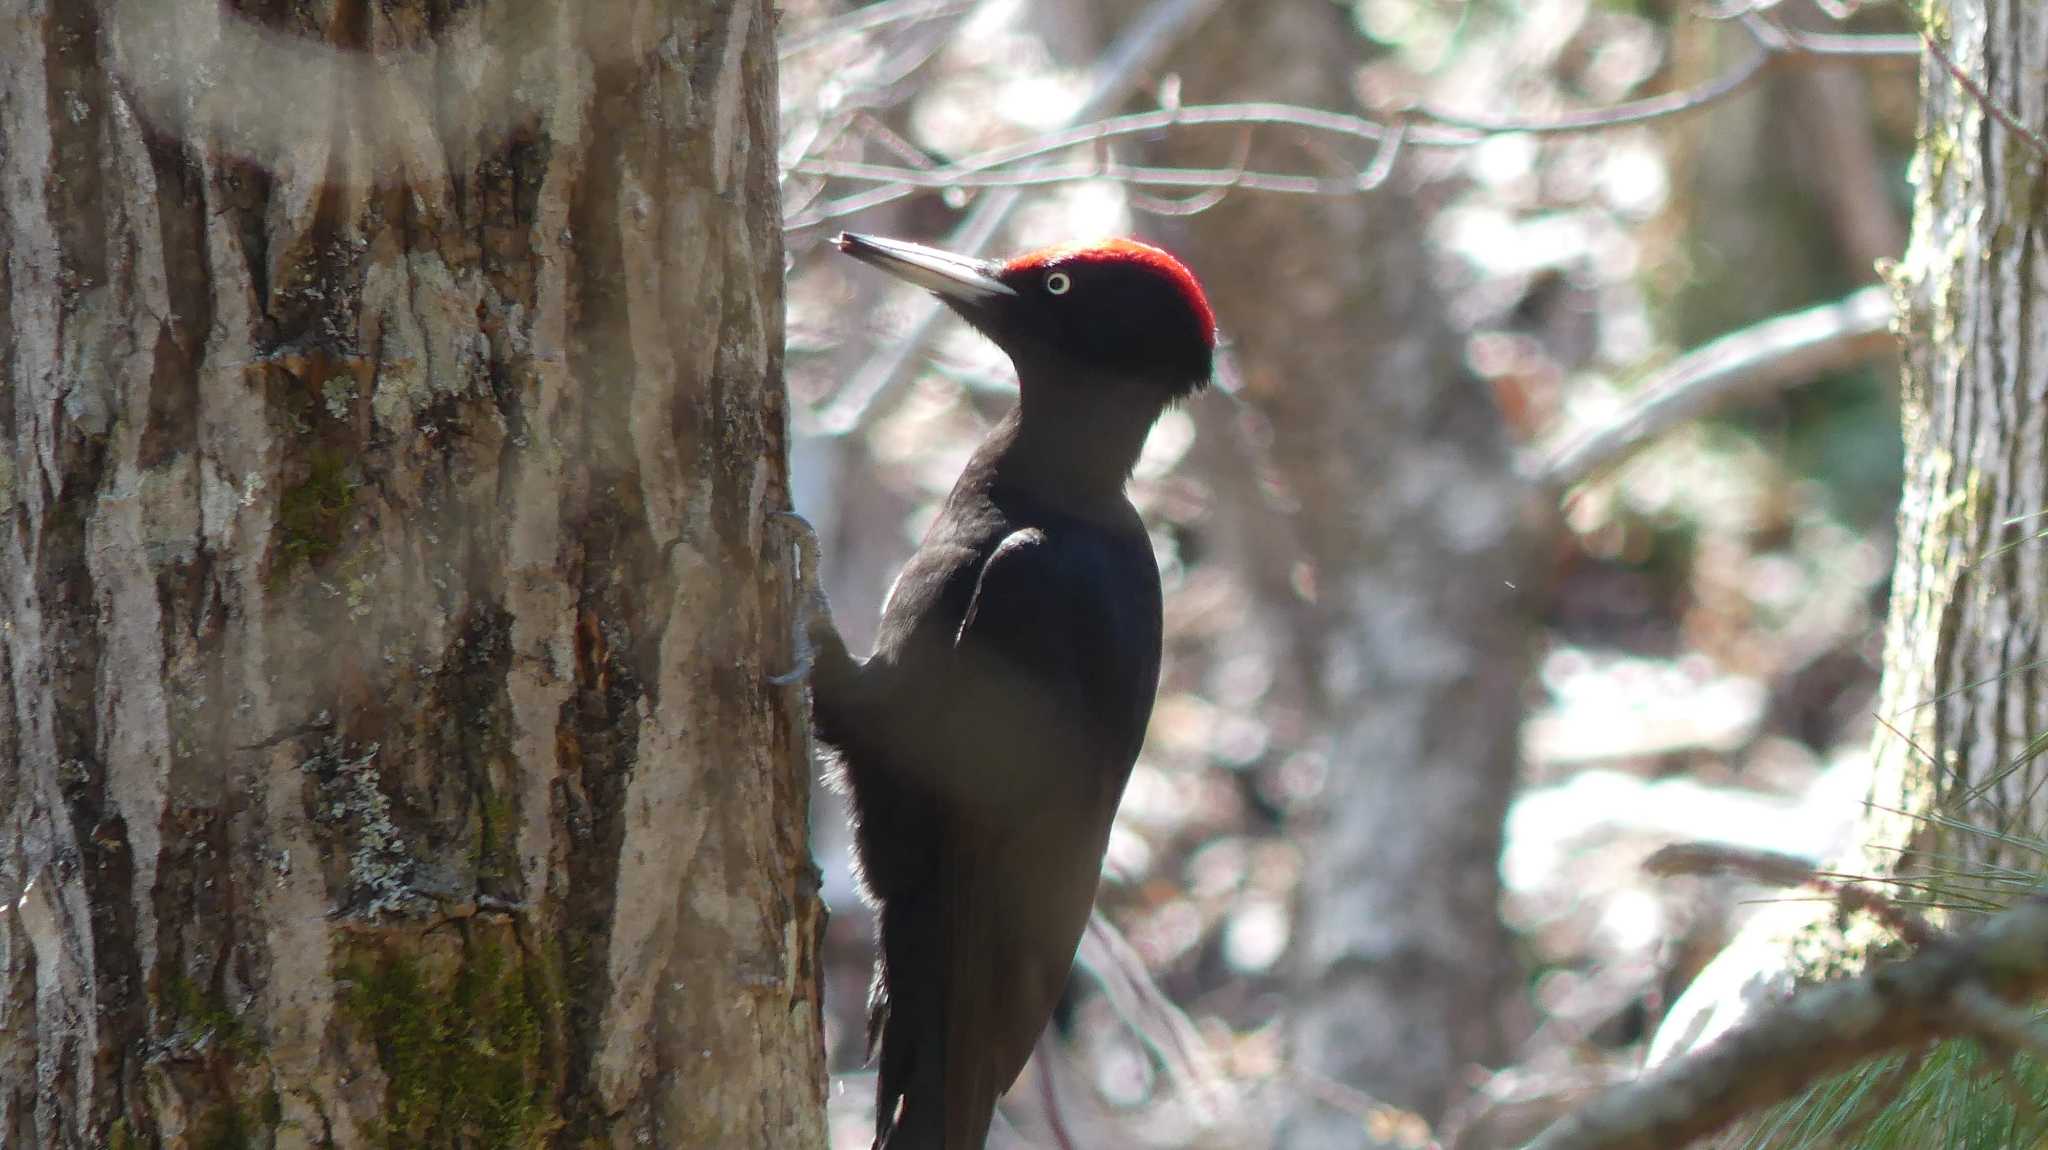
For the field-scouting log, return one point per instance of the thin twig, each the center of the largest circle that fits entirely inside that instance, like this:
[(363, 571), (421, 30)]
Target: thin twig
[(1620, 115), (1090, 169), (1383, 157), (1782, 1050), (1781, 38), (900, 181), (1860, 46), (1155, 1020), (1202, 201), (1438, 128), (1048, 1094), (1763, 358), (1992, 107)]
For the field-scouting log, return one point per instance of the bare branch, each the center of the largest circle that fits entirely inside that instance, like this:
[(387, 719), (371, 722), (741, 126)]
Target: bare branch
[(1620, 115), (904, 179), (985, 168), (1817, 1032), (995, 167), (1781, 351), (1780, 38)]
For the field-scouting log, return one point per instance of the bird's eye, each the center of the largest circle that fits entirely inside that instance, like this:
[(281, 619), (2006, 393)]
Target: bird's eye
[(1057, 283)]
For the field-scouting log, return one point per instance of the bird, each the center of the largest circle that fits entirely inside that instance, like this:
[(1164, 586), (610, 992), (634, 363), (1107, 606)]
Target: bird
[(986, 742)]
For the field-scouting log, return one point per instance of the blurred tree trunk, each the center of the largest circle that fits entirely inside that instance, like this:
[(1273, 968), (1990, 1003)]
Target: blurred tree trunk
[(1964, 644), (1399, 574), (394, 395), (1963, 707)]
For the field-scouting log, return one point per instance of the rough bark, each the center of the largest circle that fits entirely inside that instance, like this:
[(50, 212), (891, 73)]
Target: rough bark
[(1963, 684), (393, 394), (1398, 575), (1962, 698)]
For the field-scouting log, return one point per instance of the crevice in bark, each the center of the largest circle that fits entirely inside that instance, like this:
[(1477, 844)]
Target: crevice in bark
[(181, 342), (245, 191), (200, 1045), (600, 724), (16, 523), (470, 750), (98, 854), (78, 94), (502, 194)]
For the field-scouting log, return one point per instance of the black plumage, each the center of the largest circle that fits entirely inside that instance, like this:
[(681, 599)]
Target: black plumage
[(986, 742)]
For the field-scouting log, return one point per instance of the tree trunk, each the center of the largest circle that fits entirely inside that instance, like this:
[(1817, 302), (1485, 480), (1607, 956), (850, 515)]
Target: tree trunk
[(1963, 682), (1398, 577), (1962, 702), (394, 394)]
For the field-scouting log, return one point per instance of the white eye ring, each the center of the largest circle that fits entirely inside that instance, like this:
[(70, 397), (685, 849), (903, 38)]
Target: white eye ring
[(1058, 284)]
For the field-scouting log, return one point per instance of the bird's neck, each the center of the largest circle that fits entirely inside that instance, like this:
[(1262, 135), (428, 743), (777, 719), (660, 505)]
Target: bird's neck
[(1072, 445)]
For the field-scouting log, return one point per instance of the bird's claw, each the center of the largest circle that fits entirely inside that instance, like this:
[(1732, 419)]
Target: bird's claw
[(810, 598), (802, 670)]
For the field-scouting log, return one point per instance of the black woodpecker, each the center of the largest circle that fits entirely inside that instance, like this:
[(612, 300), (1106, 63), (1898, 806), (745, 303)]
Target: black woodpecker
[(987, 740)]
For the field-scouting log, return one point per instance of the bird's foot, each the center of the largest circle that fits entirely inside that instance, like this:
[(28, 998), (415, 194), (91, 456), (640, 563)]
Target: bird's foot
[(812, 611)]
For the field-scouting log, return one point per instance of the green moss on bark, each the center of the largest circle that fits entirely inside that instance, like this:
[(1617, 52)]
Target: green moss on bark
[(496, 842), (226, 1127), (312, 513), (200, 1018), (461, 1049)]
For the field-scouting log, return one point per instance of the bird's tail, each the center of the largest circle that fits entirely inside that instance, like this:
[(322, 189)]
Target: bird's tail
[(937, 1088), (906, 1028)]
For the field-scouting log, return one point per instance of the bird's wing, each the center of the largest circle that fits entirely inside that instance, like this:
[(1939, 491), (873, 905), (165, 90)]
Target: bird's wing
[(1018, 569), (1015, 904), (1058, 662)]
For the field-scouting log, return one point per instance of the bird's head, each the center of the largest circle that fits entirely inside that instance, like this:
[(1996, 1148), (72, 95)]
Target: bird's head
[(1107, 309)]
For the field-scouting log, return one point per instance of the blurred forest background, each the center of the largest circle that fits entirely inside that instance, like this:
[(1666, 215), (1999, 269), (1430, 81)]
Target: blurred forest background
[(1543, 517)]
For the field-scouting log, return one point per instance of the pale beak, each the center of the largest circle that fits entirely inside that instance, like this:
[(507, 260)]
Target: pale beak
[(957, 279)]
